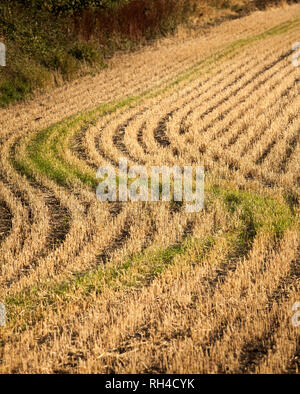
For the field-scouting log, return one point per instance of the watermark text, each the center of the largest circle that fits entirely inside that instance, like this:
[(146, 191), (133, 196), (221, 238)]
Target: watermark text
[(296, 315), (163, 184), (2, 315), (2, 54), (296, 55)]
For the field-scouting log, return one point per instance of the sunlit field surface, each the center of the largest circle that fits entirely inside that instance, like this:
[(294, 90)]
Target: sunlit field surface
[(93, 287)]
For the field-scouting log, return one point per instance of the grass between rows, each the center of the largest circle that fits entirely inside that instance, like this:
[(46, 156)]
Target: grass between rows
[(252, 214), (47, 158), (269, 214)]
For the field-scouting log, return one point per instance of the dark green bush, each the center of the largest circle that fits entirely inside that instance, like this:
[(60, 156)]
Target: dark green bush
[(85, 51), (53, 40), (70, 6)]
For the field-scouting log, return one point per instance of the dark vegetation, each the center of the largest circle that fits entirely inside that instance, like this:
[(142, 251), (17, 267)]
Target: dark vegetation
[(50, 41)]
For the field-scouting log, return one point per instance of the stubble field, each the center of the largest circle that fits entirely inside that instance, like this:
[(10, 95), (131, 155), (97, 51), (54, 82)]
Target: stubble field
[(95, 287)]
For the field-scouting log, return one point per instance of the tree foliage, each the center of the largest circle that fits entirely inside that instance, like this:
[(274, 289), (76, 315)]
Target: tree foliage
[(70, 6)]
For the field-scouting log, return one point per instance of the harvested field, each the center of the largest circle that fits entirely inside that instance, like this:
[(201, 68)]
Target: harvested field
[(135, 287)]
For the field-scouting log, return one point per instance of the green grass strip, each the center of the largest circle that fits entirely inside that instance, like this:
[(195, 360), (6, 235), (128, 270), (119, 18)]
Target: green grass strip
[(257, 213), (53, 164), (253, 213)]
